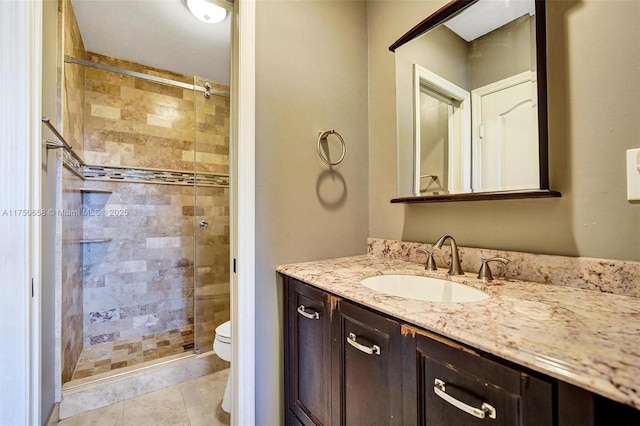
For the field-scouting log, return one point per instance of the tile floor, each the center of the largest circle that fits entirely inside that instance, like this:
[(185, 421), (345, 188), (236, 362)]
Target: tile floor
[(192, 403), (104, 357)]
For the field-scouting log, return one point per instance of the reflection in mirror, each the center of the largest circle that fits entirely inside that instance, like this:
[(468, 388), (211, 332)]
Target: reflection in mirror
[(441, 128), (467, 100)]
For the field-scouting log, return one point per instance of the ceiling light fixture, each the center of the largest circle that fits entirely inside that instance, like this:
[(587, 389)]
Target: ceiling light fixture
[(206, 11)]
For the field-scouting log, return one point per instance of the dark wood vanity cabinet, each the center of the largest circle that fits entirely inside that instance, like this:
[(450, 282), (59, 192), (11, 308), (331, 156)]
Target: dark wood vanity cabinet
[(367, 360), (342, 362), (348, 365), (307, 354), (450, 384)]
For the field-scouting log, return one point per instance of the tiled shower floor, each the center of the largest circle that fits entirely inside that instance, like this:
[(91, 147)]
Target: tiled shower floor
[(104, 357)]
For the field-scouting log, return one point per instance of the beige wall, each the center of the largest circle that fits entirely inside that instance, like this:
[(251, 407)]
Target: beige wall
[(594, 116), (312, 73), (311, 68)]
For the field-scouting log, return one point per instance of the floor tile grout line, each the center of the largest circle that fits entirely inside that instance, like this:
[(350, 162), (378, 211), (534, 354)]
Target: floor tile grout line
[(184, 403)]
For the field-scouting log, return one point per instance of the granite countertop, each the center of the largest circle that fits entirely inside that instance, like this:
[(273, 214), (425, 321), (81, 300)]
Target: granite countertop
[(587, 338)]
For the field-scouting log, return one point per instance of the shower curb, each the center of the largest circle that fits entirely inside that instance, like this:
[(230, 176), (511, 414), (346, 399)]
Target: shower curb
[(90, 396)]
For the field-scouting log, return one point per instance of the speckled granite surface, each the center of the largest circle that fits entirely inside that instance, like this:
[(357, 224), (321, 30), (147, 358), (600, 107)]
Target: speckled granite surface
[(609, 276), (588, 338)]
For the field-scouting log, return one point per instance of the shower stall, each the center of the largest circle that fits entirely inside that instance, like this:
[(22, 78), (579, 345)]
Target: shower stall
[(143, 213)]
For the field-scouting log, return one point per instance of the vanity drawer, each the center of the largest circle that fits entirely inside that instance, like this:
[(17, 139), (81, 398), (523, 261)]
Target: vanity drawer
[(366, 368), (455, 397), (455, 385)]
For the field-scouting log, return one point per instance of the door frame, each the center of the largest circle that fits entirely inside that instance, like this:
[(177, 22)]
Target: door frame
[(243, 217), (459, 125), (21, 46), (20, 157)]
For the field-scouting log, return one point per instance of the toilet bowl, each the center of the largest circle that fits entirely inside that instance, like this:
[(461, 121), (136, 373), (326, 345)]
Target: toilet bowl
[(222, 348)]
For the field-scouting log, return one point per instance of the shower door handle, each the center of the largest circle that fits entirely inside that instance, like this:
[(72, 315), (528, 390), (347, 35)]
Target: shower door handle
[(204, 224)]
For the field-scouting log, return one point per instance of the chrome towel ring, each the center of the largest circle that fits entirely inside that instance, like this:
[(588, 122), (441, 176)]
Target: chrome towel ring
[(323, 136)]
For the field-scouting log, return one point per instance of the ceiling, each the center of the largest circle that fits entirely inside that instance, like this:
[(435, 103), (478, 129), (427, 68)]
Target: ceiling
[(487, 15), (158, 33)]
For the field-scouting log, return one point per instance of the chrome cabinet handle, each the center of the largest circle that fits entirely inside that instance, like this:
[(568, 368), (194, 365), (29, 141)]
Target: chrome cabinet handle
[(351, 339), (204, 224), (439, 388), (311, 315)]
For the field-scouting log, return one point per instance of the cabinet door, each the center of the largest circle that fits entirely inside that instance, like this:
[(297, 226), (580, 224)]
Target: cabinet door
[(366, 368), (308, 354), (456, 386)]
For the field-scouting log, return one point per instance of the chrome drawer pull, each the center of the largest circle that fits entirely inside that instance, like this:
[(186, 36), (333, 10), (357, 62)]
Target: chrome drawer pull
[(439, 388), (311, 315), (351, 339)]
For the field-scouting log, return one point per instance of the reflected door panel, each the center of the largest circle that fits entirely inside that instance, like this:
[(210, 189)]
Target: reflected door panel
[(506, 140)]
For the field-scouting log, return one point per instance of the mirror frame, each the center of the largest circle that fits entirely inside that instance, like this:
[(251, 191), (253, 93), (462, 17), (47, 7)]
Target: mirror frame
[(441, 15)]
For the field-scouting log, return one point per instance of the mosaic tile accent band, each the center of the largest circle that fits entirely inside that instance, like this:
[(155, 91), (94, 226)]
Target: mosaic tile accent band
[(154, 176), (123, 174)]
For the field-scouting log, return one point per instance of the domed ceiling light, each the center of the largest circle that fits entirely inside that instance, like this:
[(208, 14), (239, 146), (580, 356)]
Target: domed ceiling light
[(206, 11)]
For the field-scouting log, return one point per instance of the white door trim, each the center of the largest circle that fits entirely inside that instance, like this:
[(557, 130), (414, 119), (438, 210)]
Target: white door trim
[(459, 125), (243, 213), (20, 154)]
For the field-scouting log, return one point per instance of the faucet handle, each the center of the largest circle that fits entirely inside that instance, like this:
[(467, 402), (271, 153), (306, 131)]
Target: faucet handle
[(485, 273), (431, 263)]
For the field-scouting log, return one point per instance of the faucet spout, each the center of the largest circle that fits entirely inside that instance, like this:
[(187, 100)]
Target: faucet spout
[(456, 267)]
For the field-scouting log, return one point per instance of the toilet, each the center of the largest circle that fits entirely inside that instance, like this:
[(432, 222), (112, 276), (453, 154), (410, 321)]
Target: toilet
[(222, 348)]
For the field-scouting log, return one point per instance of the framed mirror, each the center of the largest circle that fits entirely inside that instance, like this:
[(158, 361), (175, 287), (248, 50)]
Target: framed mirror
[(471, 103)]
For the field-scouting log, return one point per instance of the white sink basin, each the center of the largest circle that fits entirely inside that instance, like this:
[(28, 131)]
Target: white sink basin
[(424, 288)]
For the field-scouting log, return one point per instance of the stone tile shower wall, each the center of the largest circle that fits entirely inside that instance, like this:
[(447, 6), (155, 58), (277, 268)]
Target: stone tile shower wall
[(71, 271), (70, 123), (212, 292), (137, 123), (72, 96), (142, 281)]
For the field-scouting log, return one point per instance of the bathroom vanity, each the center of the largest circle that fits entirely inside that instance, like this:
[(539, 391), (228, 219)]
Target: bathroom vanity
[(527, 355)]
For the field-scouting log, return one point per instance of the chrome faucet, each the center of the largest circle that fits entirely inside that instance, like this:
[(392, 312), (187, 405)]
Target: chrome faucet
[(456, 267)]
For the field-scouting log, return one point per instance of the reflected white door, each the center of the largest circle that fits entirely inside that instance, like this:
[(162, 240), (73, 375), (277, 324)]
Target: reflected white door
[(506, 140)]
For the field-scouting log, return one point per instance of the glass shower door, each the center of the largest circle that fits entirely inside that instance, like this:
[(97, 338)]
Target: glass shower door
[(211, 213)]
